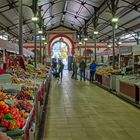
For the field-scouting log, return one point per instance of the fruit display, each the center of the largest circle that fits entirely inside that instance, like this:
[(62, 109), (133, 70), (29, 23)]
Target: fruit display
[(25, 108), (15, 80), (24, 95), (17, 105), (13, 112), (2, 95), (30, 68), (105, 71), (10, 117)]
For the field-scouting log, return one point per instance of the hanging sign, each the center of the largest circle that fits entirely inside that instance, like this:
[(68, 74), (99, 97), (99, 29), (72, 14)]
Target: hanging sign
[(125, 50)]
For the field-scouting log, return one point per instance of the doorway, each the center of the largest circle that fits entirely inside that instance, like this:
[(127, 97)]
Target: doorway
[(60, 52)]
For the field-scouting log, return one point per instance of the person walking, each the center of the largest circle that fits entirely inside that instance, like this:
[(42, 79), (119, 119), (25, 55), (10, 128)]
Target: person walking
[(60, 69), (75, 68), (82, 67)]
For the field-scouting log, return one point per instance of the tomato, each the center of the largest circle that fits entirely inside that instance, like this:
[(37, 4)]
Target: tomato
[(4, 123), (6, 110), (1, 115), (22, 123), (16, 117)]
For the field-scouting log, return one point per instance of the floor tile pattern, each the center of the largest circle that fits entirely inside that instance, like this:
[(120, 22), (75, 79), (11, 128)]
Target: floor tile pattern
[(79, 110)]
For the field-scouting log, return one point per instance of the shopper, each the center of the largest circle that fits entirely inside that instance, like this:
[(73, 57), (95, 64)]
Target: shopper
[(60, 69), (75, 69), (93, 66), (54, 65), (21, 61), (82, 67)]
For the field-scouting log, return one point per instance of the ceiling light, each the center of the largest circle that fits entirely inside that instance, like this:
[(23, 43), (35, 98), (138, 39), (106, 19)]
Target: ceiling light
[(43, 38), (34, 18), (45, 43), (80, 43), (115, 20), (109, 45), (95, 32), (138, 37), (40, 32), (85, 39), (119, 42), (116, 26)]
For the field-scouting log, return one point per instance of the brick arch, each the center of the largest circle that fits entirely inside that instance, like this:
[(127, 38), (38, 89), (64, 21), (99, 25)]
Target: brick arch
[(59, 35)]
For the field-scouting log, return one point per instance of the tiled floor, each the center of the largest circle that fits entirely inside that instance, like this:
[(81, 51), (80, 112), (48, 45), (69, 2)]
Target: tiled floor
[(80, 110)]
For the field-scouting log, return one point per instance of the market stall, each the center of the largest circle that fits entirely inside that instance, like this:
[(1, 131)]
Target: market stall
[(136, 57), (22, 95), (126, 59), (106, 77), (129, 83)]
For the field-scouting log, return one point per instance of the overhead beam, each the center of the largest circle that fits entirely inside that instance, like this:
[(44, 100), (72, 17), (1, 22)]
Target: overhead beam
[(92, 16), (122, 26), (122, 15)]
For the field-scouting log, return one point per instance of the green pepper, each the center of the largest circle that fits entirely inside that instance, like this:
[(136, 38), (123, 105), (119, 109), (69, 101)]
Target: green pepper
[(8, 116)]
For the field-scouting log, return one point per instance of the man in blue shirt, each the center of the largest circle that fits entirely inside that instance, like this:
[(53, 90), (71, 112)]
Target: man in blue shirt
[(93, 66)]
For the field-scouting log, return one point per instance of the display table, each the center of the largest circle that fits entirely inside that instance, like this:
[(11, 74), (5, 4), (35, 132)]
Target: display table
[(138, 93), (98, 78), (115, 82), (106, 81), (34, 116), (128, 90), (128, 87)]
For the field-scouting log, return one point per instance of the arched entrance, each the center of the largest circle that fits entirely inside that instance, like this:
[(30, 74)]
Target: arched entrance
[(61, 48), (60, 52)]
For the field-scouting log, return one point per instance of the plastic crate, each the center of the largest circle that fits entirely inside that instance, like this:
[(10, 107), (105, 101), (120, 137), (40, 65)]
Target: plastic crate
[(5, 78)]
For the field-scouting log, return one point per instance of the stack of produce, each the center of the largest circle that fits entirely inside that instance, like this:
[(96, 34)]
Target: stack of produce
[(25, 94), (42, 71), (105, 71), (13, 112)]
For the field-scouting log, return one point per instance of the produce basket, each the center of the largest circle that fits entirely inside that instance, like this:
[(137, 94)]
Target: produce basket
[(5, 78), (15, 135)]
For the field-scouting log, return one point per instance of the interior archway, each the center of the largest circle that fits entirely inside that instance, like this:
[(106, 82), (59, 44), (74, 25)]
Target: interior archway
[(61, 50)]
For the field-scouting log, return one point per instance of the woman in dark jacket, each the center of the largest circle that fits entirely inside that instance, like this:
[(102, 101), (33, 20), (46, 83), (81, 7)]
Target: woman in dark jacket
[(82, 67), (60, 69)]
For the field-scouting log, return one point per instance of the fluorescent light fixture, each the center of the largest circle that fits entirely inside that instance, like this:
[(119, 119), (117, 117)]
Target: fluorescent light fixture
[(115, 20), (119, 42), (45, 43), (85, 39), (138, 37), (80, 43), (116, 26), (40, 32), (43, 38), (109, 45), (95, 32), (34, 18)]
